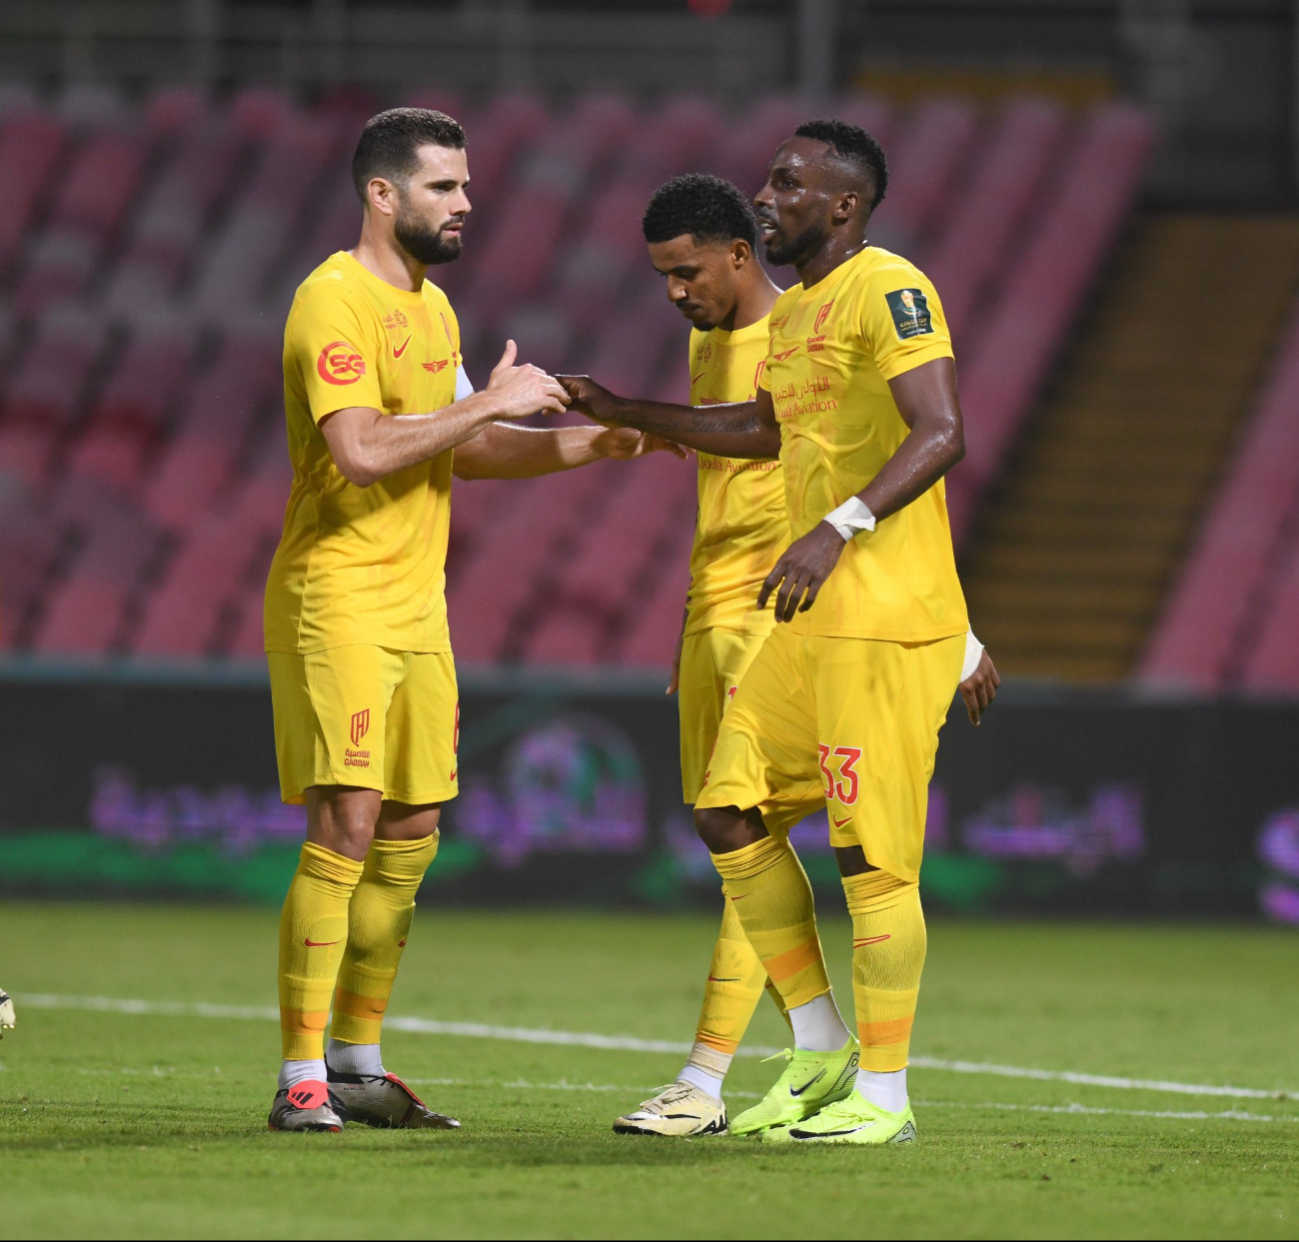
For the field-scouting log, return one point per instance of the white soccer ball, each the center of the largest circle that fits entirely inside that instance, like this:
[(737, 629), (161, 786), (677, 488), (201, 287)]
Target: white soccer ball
[(7, 1019)]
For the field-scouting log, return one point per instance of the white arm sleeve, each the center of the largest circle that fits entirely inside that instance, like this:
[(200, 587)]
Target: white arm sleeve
[(973, 653), (463, 387)]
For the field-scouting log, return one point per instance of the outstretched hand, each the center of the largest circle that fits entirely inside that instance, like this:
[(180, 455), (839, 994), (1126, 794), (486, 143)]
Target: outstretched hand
[(980, 688), (526, 390), (589, 398), (622, 443), (802, 570)]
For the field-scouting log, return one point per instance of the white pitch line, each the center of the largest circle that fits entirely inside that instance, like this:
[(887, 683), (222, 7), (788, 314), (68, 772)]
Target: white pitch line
[(626, 1043)]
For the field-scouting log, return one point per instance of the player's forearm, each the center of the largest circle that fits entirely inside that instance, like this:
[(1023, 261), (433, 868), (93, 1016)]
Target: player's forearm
[(724, 430), (378, 445), (927, 454), (503, 451)]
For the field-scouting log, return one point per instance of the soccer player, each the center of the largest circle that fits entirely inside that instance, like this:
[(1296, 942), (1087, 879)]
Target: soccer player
[(380, 415), (702, 238), (843, 703)]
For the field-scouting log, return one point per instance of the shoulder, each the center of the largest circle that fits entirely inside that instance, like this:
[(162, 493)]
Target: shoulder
[(879, 268), (330, 287), (436, 298)]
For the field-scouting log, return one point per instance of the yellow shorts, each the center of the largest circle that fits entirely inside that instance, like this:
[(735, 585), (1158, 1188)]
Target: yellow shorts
[(367, 716), (847, 723), (712, 663)]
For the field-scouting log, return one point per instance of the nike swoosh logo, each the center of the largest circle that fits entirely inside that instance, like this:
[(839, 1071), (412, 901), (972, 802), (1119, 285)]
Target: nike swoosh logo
[(320, 944), (694, 379), (857, 944), (811, 1082), (839, 823), (397, 353)]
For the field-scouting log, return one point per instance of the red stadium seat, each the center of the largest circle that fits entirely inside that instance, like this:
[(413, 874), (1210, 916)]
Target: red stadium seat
[(87, 611), (596, 585), (93, 195), (1212, 617), (509, 562), (31, 145)]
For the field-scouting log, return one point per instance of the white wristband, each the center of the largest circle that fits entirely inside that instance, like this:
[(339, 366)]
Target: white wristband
[(851, 518), (973, 654)]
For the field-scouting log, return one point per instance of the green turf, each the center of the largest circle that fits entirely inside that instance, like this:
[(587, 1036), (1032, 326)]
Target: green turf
[(116, 1125)]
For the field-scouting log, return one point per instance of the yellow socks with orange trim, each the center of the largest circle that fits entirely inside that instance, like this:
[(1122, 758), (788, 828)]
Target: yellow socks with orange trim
[(736, 979), (768, 889), (889, 941), (313, 935), (379, 921)]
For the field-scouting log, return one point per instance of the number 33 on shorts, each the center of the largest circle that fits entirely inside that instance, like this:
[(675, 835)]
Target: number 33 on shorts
[(839, 778)]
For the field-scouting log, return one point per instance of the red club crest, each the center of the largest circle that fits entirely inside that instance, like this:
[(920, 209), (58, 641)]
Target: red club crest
[(339, 363), (360, 725)]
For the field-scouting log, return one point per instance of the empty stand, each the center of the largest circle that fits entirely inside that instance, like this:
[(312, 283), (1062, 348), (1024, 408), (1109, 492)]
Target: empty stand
[(1079, 549), (1221, 600)]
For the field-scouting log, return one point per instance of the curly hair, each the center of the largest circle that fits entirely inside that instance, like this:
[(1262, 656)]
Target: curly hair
[(706, 207)]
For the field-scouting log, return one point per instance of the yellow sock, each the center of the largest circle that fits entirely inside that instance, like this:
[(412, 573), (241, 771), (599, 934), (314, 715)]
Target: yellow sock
[(378, 922), (767, 888), (888, 936), (313, 935), (736, 979)]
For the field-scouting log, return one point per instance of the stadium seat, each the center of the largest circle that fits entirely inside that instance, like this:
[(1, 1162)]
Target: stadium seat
[(514, 556), (594, 589), (1042, 292), (87, 611), (239, 384), (1211, 616), (1272, 660), (31, 144), (91, 202), (993, 209)]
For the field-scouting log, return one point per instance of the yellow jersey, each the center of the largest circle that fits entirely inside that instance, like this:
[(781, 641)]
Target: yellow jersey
[(833, 349), (362, 564), (741, 529)]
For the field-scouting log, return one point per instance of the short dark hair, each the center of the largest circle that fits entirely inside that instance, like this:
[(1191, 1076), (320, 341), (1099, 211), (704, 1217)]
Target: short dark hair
[(389, 141), (854, 146), (708, 208)]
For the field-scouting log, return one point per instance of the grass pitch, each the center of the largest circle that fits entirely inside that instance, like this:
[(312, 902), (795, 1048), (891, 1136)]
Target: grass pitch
[(146, 1124)]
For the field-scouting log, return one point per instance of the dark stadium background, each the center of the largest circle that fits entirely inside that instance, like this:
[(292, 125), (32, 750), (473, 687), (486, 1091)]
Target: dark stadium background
[(1105, 193)]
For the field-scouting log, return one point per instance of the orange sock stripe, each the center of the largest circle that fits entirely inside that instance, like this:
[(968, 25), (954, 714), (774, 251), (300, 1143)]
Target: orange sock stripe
[(303, 1022), (881, 1034), (783, 965), (719, 1042), (366, 1008)]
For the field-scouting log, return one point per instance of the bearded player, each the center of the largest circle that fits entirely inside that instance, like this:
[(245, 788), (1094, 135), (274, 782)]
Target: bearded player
[(380, 416), (842, 705)]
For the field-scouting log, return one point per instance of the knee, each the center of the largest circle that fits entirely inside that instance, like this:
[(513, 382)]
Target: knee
[(725, 829)]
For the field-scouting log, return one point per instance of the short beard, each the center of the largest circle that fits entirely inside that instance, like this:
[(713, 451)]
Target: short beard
[(423, 244), (794, 249)]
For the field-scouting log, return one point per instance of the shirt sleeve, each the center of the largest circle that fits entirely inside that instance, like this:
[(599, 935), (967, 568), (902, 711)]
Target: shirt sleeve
[(335, 352), (463, 387), (903, 321)]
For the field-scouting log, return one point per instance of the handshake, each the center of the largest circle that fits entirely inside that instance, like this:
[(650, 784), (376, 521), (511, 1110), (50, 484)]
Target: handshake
[(521, 391)]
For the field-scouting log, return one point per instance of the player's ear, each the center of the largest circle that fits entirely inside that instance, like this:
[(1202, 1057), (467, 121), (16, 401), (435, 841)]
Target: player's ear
[(381, 194), (847, 206), (741, 253)]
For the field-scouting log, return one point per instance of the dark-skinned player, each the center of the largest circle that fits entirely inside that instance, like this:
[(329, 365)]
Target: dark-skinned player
[(842, 705)]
